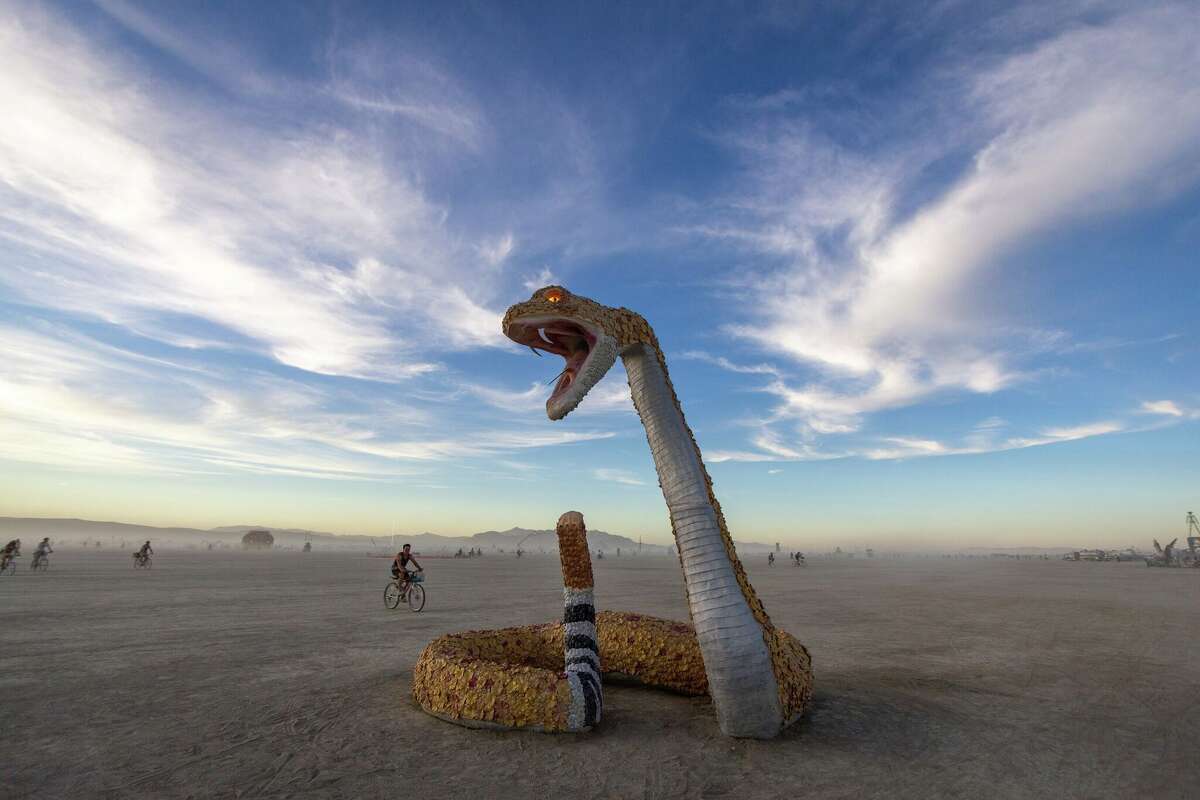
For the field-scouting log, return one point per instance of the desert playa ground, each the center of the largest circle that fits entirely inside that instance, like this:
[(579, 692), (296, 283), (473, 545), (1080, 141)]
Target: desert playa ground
[(227, 675)]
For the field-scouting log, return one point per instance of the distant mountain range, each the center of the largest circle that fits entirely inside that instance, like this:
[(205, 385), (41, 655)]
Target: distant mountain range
[(31, 529)]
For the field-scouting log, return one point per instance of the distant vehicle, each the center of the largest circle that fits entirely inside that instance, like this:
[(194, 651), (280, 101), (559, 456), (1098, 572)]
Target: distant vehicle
[(1087, 555), (258, 540)]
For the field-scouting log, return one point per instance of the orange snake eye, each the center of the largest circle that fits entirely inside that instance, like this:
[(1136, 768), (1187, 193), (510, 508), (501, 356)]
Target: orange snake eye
[(554, 295)]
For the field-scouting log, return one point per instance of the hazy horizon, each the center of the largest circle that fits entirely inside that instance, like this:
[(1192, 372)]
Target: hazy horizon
[(821, 540), (922, 277)]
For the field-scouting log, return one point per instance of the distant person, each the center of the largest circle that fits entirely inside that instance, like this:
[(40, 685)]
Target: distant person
[(143, 554), (770, 559), (11, 551), (400, 569), (42, 551)]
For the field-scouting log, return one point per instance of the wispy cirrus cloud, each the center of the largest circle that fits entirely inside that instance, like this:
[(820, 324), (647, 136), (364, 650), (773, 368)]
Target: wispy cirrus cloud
[(610, 395), (725, 363), (77, 403), (544, 277), (890, 448), (305, 238), (875, 291), (316, 248), (621, 476), (1170, 409)]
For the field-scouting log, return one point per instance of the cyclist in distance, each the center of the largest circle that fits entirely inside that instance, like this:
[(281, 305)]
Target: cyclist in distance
[(43, 549), (400, 567), (145, 553), (11, 550)]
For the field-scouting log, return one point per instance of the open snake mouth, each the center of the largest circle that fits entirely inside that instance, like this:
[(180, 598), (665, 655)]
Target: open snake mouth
[(587, 351)]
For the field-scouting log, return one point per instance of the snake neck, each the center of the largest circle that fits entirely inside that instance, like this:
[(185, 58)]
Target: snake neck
[(732, 627)]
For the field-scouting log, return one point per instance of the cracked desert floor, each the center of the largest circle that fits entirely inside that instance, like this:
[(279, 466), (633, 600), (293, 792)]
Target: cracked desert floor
[(229, 675)]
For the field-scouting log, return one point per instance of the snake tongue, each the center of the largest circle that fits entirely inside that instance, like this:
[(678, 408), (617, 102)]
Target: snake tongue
[(574, 361)]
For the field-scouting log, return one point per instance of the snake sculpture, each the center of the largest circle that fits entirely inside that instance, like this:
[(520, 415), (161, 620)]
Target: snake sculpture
[(548, 677)]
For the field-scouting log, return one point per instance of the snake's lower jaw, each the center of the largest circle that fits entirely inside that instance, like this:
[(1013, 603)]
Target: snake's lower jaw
[(575, 385)]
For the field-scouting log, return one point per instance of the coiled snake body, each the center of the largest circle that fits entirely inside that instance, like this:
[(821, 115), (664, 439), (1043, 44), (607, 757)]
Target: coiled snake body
[(547, 677)]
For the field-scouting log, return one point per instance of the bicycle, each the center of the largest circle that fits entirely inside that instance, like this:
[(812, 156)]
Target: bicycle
[(140, 561), (10, 566), (395, 592), (39, 563)]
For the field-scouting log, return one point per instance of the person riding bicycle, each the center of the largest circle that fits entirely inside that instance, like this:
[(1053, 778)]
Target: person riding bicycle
[(43, 549), (143, 555), (11, 550), (400, 566)]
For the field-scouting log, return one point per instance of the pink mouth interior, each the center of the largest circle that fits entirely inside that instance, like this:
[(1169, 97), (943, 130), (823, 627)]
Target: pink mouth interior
[(573, 342)]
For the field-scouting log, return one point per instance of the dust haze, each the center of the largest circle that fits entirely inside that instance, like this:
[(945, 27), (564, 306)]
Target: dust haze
[(249, 674)]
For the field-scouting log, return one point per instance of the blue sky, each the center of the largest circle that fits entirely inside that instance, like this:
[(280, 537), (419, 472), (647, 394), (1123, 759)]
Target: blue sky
[(922, 276)]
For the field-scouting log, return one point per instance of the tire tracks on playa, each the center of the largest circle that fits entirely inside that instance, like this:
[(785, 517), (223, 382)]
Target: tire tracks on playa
[(298, 731), (291, 734)]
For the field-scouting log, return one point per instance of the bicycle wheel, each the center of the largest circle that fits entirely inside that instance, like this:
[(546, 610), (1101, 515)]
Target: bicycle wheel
[(391, 595), (416, 597)]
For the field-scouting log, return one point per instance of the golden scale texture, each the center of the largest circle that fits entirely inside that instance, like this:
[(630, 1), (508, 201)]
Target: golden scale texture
[(654, 652), (511, 678), (508, 677), (790, 660), (573, 551)]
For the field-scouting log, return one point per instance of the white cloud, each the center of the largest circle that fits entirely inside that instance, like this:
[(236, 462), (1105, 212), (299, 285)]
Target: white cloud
[(543, 278), (203, 53), (72, 402), (621, 476), (1078, 432), (902, 447), (610, 395), (725, 363), (312, 247), (1164, 407), (496, 252), (455, 122), (883, 302)]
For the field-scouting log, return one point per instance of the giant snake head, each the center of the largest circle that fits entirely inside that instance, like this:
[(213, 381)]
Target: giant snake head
[(589, 336)]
